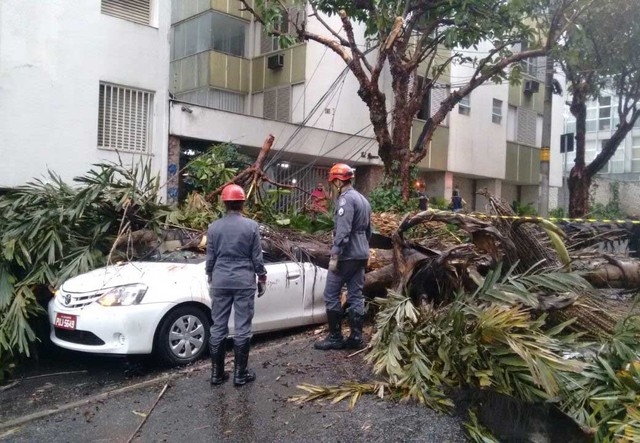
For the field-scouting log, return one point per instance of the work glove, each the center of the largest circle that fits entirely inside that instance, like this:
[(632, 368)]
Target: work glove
[(209, 279), (262, 285), (333, 263), (262, 288)]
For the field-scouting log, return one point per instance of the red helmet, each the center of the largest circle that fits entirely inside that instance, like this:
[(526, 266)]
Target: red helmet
[(233, 193), (341, 172)]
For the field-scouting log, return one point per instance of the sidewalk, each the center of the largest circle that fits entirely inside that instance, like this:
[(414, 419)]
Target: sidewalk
[(182, 406)]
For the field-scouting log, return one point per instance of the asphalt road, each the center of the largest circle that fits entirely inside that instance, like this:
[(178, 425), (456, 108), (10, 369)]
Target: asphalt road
[(107, 404)]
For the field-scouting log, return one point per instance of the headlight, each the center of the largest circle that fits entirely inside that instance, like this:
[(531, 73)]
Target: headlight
[(123, 295)]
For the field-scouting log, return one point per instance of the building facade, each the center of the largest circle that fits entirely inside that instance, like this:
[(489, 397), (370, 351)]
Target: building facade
[(624, 167), (233, 83), (81, 83), (146, 79)]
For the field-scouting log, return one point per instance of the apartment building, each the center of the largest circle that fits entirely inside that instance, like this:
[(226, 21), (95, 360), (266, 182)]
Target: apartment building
[(623, 169), (82, 82), (494, 139), (148, 79), (233, 83)]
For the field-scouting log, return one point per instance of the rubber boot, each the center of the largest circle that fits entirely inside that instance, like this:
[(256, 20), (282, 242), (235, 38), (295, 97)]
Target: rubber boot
[(218, 376), (334, 340), (242, 375), (355, 339)]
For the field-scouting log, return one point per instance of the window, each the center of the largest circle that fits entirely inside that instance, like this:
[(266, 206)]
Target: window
[(271, 43), (124, 118), (616, 164), (604, 112), (512, 123), (635, 154), (464, 106), (425, 107), (592, 118), (215, 98), (210, 31), (496, 115), (137, 11), (529, 65), (590, 150)]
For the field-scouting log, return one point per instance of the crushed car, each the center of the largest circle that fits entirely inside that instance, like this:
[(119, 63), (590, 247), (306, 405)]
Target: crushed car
[(163, 307)]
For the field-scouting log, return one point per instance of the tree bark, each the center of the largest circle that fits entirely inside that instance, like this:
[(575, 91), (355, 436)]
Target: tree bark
[(579, 185), (579, 181)]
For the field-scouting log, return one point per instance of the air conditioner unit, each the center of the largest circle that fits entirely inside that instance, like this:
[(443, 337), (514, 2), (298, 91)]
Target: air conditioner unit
[(275, 61), (531, 86)]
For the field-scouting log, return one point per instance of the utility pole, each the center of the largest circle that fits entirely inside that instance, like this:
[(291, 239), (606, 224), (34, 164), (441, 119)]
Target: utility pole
[(545, 149)]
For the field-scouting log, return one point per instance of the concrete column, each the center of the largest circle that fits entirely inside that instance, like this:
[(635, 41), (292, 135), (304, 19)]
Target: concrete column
[(173, 167), (529, 195), (493, 186), (438, 184)]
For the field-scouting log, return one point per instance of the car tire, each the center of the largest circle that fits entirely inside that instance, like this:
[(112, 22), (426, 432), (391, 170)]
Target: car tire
[(183, 336)]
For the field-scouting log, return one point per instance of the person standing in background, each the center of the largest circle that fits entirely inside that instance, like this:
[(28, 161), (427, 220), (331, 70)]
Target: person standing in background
[(457, 202), (423, 199), (319, 201)]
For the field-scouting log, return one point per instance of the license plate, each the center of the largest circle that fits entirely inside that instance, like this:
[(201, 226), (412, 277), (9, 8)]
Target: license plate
[(65, 321)]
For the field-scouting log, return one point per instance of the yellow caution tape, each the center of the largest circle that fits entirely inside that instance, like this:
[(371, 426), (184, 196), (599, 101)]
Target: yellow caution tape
[(556, 219)]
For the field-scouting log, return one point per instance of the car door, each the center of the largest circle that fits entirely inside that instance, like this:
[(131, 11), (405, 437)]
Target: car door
[(281, 306), (313, 301)]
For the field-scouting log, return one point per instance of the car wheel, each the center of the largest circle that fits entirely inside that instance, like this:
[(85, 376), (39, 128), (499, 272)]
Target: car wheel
[(183, 335)]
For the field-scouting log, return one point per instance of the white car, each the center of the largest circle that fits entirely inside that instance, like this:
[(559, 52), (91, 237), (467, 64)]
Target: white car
[(164, 308)]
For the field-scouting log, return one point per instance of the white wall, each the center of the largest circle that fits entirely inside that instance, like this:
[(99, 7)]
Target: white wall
[(53, 54), (477, 146), (348, 113), (556, 163)]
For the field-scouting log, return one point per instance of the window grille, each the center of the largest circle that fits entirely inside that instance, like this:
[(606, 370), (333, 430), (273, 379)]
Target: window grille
[(277, 104), (303, 176), (137, 11), (124, 118)]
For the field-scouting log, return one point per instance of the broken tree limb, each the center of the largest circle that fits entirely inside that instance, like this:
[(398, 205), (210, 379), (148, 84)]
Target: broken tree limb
[(249, 175)]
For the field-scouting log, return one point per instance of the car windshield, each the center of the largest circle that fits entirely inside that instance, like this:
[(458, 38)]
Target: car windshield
[(177, 257)]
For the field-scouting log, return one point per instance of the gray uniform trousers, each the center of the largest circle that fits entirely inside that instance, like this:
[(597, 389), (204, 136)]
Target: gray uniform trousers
[(242, 301), (350, 272)]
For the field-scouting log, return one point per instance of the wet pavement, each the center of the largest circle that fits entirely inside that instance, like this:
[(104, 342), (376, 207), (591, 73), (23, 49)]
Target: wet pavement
[(180, 405)]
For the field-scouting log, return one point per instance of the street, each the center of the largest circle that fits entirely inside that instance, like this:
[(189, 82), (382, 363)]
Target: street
[(107, 404)]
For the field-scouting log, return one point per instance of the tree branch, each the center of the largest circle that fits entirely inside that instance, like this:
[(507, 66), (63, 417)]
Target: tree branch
[(419, 151), (358, 57), (341, 39)]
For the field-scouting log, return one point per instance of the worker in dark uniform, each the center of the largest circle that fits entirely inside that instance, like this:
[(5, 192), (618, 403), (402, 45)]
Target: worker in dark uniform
[(234, 258), (349, 256)]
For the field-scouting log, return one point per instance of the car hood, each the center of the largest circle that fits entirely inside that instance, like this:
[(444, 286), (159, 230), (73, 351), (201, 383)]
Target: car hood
[(149, 273)]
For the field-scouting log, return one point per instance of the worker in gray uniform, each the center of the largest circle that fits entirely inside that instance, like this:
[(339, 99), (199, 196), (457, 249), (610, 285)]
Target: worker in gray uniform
[(349, 256), (234, 258)]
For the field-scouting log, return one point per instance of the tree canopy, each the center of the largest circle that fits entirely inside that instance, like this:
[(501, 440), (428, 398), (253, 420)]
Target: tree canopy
[(421, 38)]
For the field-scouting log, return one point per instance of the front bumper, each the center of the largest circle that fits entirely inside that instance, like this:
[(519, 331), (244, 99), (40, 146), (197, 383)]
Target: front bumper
[(109, 330)]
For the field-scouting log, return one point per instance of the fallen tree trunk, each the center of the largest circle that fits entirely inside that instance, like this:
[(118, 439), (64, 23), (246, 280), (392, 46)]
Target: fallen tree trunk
[(614, 274)]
